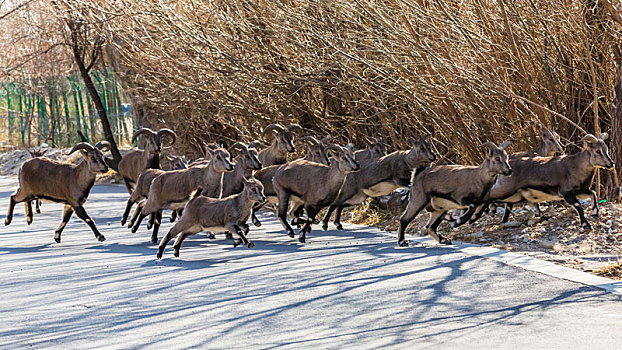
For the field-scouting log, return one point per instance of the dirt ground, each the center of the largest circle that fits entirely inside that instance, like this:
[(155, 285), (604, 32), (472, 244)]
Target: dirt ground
[(557, 236)]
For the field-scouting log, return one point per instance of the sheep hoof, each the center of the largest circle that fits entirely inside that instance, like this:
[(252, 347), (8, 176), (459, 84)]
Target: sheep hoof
[(236, 242), (211, 235), (149, 226), (228, 235), (444, 240), (339, 227), (154, 239), (316, 221), (176, 253), (57, 239), (159, 255), (134, 229), (302, 239), (256, 222), (38, 211), (7, 221), (325, 227), (587, 226), (290, 234), (101, 238), (28, 221), (403, 243), (251, 244)]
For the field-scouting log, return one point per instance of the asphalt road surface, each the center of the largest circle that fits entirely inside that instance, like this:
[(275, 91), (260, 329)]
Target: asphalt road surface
[(348, 289)]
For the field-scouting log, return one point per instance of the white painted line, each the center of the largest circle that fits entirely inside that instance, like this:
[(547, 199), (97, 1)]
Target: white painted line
[(525, 262)]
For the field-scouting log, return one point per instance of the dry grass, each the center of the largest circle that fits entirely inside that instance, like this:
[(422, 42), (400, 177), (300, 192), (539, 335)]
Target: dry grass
[(613, 271)]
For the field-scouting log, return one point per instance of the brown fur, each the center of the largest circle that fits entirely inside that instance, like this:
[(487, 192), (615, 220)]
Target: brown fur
[(379, 177), (446, 187), (70, 184), (316, 185), (229, 214)]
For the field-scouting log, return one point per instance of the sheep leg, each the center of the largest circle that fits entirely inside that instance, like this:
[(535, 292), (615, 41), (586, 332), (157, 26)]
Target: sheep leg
[(539, 210), (337, 221), (152, 218), (179, 227), (282, 212), (86, 218), (256, 208), (136, 215), (17, 197), (67, 212), (126, 213), (506, 213), (435, 219), (571, 199), (235, 228), (478, 213), (464, 217), (29, 214), (173, 216), (128, 184), (38, 206), (594, 204), (245, 228), (311, 212), (326, 219), (156, 226), (412, 210)]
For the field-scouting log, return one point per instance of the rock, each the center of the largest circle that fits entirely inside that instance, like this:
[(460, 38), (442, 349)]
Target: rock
[(530, 222), (526, 239), (528, 215), (479, 234), (512, 224), (546, 244)]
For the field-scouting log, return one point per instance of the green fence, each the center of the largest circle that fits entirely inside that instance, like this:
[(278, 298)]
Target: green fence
[(52, 110)]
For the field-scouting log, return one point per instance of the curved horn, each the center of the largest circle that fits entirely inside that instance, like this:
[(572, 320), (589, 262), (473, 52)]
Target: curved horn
[(142, 131), (208, 148), (309, 139), (334, 147), (603, 136), (325, 139), (589, 138), (103, 146), (488, 145), (169, 132), (504, 145), (254, 143), (294, 127), (82, 145), (271, 127), (239, 146)]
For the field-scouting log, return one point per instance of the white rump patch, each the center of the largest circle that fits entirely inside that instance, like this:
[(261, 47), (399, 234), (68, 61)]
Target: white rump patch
[(443, 204), (381, 189), (536, 196), (357, 198)]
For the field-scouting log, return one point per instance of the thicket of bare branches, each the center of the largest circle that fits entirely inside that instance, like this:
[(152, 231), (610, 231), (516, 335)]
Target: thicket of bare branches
[(464, 71)]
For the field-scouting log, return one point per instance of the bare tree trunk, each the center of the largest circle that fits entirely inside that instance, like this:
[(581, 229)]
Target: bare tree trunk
[(99, 106), (616, 133)]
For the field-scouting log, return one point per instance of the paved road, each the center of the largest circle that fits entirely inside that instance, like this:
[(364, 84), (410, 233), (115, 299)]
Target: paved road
[(352, 289)]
